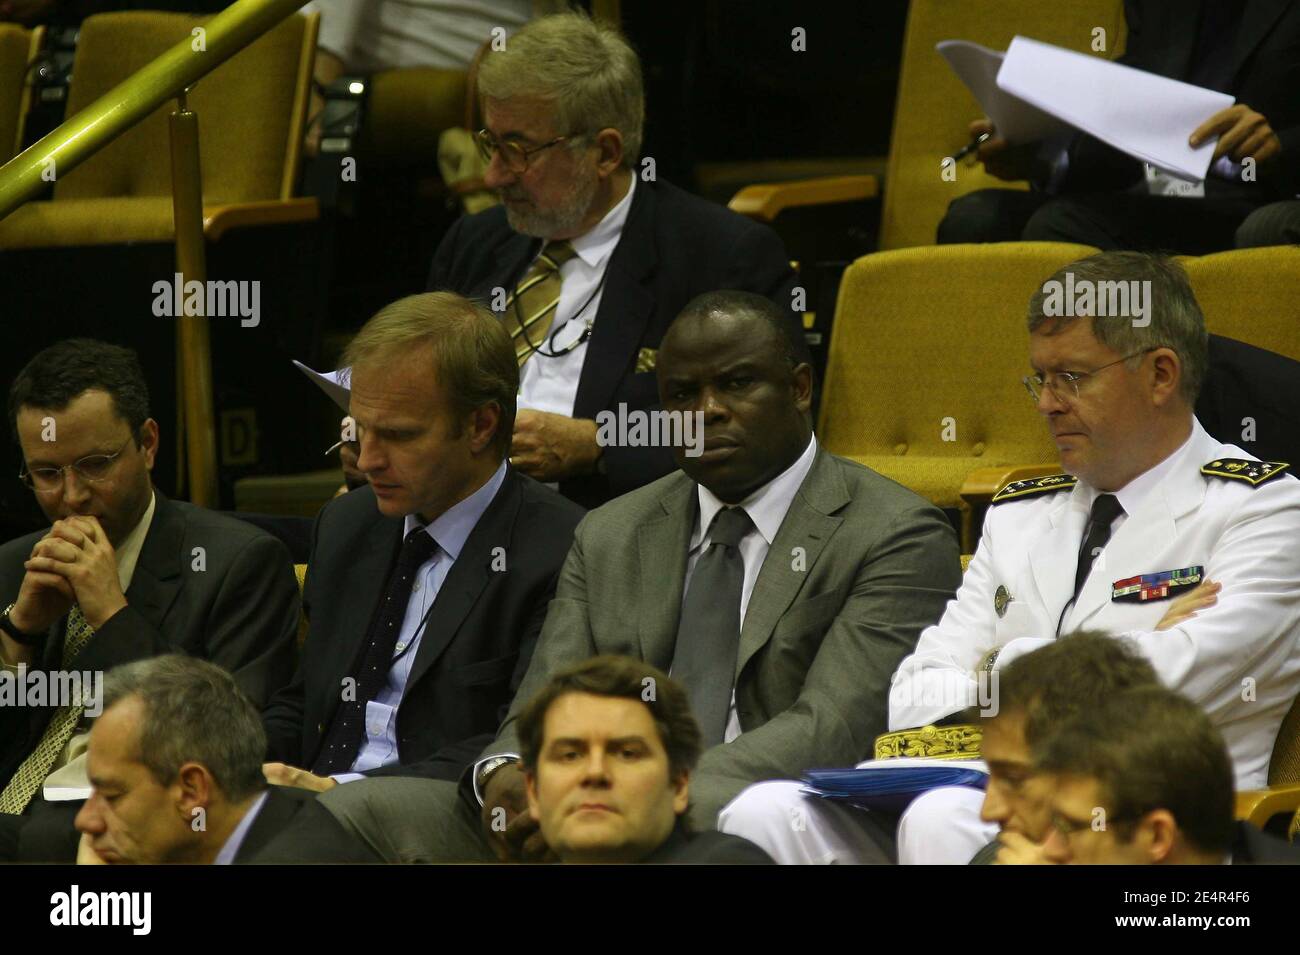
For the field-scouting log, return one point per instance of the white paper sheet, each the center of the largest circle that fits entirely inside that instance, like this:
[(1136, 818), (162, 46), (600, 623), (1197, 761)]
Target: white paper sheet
[(1144, 115), (330, 383), (1016, 121)]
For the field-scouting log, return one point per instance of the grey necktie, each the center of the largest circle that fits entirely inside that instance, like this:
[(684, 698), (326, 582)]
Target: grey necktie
[(708, 637)]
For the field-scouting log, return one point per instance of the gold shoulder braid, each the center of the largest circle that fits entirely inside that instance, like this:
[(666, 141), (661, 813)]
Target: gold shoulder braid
[(1254, 473), (1043, 485), (961, 741)]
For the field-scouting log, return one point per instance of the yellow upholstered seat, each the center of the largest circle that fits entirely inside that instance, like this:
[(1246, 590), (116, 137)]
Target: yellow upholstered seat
[(923, 381), (18, 47), (251, 112), (1252, 295)]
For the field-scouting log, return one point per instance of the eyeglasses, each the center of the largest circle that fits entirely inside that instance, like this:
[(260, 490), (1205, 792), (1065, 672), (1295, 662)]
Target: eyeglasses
[(515, 156), (1056, 382), (1068, 827), (91, 469)]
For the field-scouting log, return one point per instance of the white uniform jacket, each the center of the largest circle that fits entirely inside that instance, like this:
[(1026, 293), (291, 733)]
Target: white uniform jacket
[(1238, 659)]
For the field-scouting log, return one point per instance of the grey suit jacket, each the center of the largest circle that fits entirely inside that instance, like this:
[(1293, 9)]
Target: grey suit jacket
[(858, 568)]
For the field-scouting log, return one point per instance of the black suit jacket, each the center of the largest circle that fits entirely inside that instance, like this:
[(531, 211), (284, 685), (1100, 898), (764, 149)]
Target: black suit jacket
[(1250, 846), (1265, 74), (674, 247), (707, 848), (476, 644), (237, 609), (294, 829), (1244, 382)]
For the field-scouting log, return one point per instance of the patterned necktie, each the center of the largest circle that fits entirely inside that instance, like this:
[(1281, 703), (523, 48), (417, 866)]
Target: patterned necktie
[(31, 773), (708, 637), (1104, 511), (347, 729), (531, 308)]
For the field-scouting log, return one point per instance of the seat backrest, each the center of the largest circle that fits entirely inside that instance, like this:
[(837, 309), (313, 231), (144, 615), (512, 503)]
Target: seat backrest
[(17, 48), (251, 110), (1252, 295), (934, 108), (930, 334)]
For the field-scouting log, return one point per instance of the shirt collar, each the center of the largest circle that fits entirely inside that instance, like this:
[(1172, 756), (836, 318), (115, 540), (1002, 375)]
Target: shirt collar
[(236, 838), (595, 245), (129, 553), (767, 506), (1132, 495), (452, 527)]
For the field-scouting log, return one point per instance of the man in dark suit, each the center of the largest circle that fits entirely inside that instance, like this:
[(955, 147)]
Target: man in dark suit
[(590, 257), (1085, 191), (426, 589), (175, 762), (123, 573), (783, 618), (608, 747), (1151, 766)]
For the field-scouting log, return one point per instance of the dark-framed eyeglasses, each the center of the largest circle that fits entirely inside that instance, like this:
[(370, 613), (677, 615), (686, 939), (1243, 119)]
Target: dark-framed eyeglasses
[(1068, 827), (515, 156), (91, 469), (1065, 384)]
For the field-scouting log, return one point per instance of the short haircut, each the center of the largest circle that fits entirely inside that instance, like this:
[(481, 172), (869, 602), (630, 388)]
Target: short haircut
[(473, 357), (62, 372), (789, 336), (1151, 748), (587, 68), (629, 679), (193, 712), (1176, 319), (1057, 681)]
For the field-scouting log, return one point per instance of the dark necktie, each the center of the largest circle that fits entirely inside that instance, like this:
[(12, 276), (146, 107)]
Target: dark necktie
[(347, 729), (1104, 511), (708, 637)]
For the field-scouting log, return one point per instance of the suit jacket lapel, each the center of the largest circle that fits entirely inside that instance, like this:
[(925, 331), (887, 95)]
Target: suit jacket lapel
[(626, 307), (663, 544), (374, 560), (1257, 18), (469, 575), (808, 524), (1052, 558)]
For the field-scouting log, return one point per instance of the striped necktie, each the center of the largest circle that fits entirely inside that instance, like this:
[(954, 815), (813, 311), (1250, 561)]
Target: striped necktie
[(531, 308), (27, 780)]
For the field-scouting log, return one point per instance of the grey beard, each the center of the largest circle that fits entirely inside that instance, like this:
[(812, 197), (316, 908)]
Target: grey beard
[(544, 225)]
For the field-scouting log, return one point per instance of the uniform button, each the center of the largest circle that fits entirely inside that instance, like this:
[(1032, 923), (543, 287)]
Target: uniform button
[(400, 647), (320, 727)]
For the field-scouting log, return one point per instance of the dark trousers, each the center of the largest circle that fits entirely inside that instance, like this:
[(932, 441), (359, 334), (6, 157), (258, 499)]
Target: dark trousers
[(44, 833), (1109, 221)]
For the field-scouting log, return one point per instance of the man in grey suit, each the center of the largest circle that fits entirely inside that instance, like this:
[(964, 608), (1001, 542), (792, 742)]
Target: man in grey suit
[(779, 584)]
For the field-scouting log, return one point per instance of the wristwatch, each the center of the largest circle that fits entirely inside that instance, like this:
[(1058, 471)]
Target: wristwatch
[(17, 635), (488, 768)]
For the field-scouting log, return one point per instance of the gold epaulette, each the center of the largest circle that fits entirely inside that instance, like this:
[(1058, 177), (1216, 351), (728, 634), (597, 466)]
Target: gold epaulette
[(1253, 473), (1042, 485), (961, 741)]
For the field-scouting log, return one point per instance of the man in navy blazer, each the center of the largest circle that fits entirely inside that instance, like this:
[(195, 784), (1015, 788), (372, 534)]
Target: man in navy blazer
[(564, 107)]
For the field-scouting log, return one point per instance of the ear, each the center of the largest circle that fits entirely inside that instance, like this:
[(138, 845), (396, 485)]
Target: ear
[(681, 793), (483, 423), (609, 143), (530, 787), (1159, 834), (803, 379), (149, 441), (194, 789), (1166, 376)]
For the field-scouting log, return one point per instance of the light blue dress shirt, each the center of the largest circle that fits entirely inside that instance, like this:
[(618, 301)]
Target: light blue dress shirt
[(236, 838), (449, 531)]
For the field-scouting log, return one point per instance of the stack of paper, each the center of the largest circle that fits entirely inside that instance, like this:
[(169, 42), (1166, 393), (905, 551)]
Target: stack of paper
[(1036, 89), (891, 784)]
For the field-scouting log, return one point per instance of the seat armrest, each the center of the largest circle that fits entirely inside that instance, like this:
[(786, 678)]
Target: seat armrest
[(218, 220), (766, 201), (1258, 806)]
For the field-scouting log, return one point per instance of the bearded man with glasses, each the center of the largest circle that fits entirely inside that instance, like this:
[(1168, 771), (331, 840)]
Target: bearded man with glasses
[(591, 255), (1182, 545), (122, 574)]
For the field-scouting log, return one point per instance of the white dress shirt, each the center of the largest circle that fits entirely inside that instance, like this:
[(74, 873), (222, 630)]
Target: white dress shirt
[(551, 384), (237, 835), (449, 531), (766, 508)]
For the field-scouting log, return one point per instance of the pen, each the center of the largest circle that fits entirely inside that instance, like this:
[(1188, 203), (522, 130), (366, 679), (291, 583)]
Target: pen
[(971, 146)]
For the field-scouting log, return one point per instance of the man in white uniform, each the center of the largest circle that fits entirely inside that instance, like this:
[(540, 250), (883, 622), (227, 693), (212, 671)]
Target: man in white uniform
[(1151, 508)]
